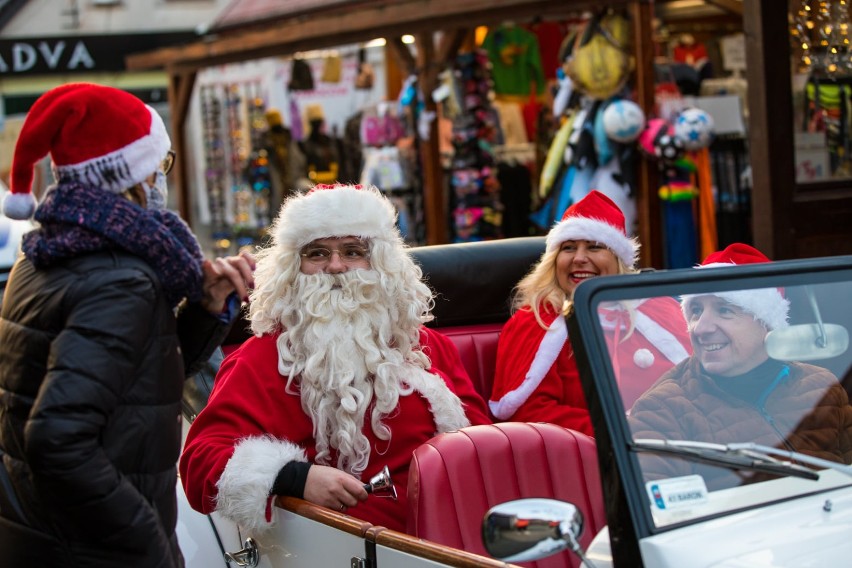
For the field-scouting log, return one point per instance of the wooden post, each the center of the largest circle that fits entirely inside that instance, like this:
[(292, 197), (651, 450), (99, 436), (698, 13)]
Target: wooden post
[(180, 94), (434, 195), (770, 128), (649, 217)]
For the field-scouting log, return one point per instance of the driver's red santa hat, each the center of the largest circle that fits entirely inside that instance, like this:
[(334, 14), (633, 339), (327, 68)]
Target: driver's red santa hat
[(766, 304), (596, 218), (338, 210), (98, 136)]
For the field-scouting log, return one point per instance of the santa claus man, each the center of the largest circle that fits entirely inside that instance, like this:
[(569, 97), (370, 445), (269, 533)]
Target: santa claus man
[(341, 377)]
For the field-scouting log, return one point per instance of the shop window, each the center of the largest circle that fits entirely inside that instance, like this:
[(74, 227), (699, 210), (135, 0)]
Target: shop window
[(822, 89)]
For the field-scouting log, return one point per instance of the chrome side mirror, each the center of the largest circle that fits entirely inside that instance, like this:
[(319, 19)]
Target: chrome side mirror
[(381, 485), (531, 529)]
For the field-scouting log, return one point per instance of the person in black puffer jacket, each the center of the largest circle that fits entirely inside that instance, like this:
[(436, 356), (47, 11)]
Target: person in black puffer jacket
[(110, 307)]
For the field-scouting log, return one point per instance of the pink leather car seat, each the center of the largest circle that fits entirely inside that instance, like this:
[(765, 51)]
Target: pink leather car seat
[(457, 476)]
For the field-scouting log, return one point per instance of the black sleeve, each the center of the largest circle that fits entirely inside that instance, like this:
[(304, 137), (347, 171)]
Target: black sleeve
[(200, 333), (291, 480)]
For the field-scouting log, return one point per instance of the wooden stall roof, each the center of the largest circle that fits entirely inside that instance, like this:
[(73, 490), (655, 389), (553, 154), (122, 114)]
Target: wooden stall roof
[(249, 32), (255, 29)]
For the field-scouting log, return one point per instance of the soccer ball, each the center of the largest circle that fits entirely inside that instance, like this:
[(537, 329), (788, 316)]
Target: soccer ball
[(668, 148), (623, 121), (694, 128)]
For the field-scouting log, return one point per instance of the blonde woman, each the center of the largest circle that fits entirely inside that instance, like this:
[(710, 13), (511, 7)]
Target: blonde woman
[(536, 379)]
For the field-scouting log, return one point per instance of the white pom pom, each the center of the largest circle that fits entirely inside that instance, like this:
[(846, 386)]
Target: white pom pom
[(643, 358), (19, 206)]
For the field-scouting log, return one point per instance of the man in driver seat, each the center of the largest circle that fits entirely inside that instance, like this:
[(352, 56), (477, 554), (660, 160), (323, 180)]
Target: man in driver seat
[(730, 390)]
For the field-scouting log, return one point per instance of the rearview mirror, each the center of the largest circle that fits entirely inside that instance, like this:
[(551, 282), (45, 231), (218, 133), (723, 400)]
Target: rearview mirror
[(807, 342)]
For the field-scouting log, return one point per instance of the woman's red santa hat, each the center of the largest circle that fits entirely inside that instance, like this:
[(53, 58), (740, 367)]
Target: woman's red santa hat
[(766, 304), (97, 136), (596, 218)]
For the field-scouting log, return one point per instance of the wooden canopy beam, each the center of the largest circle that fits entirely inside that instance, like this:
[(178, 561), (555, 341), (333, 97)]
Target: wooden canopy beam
[(402, 54), (340, 26), (734, 7), (451, 42)]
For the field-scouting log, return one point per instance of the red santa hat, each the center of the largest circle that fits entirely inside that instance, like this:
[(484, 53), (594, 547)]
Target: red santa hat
[(596, 218), (338, 210), (766, 304), (96, 135)]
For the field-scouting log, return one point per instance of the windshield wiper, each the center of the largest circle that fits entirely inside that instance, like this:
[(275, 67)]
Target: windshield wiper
[(744, 455)]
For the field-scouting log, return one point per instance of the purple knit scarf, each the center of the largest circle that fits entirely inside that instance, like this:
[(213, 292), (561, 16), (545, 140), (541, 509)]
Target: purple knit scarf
[(76, 219)]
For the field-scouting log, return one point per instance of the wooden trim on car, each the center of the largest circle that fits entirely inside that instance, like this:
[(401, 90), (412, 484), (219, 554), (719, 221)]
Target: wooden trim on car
[(334, 519), (395, 540)]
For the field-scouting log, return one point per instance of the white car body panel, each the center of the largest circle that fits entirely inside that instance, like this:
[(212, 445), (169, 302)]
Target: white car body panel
[(297, 541), (791, 534)]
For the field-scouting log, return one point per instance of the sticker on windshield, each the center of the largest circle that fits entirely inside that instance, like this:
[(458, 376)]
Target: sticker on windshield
[(677, 492)]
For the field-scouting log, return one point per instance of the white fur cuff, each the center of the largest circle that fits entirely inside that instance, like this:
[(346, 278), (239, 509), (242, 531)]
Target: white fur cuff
[(248, 478)]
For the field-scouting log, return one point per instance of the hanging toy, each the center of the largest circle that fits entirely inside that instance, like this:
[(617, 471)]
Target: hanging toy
[(601, 63), (694, 127), (676, 192), (623, 121)]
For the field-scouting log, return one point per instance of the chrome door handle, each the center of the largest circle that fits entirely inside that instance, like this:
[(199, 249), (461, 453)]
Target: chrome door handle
[(249, 556)]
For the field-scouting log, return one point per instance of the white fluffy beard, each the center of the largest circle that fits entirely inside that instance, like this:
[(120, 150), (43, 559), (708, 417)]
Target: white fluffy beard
[(344, 349)]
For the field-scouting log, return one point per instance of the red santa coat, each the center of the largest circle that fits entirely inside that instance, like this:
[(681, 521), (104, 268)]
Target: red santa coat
[(536, 377), (251, 427)]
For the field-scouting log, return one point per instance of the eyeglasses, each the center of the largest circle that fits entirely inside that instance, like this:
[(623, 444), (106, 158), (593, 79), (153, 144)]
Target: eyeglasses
[(168, 162), (351, 253)]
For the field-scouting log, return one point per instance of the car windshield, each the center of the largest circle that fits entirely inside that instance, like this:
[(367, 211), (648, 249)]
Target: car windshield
[(726, 393)]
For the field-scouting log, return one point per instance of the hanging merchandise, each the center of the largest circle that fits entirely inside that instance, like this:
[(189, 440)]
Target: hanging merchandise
[(215, 169), (600, 63), (257, 171), (694, 127), (475, 198), (301, 78), (676, 191), (555, 160), (623, 121), (331, 68), (366, 75), (241, 192), (515, 60)]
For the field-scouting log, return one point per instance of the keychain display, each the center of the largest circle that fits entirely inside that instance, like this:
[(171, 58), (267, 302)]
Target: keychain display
[(215, 169), (238, 183), (477, 211)]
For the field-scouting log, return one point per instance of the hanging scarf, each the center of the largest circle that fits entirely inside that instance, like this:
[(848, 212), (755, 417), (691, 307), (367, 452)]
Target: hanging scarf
[(76, 219)]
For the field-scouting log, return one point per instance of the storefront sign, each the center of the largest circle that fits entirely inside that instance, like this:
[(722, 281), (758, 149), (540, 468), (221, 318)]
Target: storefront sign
[(78, 54)]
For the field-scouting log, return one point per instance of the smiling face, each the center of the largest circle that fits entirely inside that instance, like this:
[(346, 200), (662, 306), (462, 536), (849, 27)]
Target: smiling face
[(726, 339), (579, 260)]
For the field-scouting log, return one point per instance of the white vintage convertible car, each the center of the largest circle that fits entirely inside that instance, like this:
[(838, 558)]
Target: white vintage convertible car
[(544, 496)]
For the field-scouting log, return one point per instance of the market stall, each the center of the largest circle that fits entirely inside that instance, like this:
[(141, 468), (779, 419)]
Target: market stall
[(258, 30)]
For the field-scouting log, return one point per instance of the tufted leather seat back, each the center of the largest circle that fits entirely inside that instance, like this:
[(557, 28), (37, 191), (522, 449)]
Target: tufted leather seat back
[(477, 345), (457, 476)]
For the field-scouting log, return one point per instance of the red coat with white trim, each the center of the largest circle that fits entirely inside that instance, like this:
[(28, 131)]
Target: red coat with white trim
[(536, 378), (251, 427)]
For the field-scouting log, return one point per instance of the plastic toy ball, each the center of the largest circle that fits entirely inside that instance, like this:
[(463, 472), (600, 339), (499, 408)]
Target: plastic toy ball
[(694, 127), (623, 121), (668, 148)]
